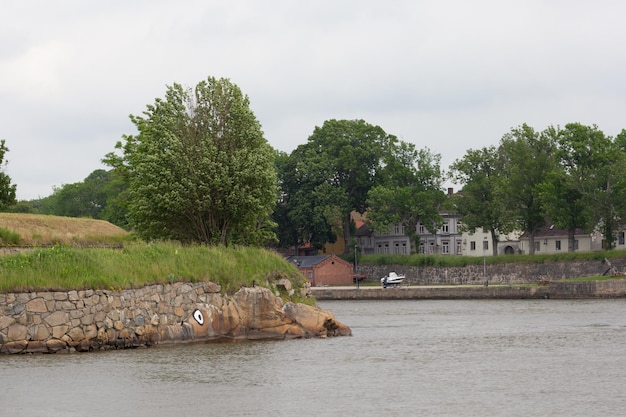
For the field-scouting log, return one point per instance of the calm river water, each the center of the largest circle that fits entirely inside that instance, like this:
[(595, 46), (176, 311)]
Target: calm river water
[(406, 358)]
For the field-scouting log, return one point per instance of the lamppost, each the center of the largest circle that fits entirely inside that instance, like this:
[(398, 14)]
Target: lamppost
[(356, 277), (485, 282)]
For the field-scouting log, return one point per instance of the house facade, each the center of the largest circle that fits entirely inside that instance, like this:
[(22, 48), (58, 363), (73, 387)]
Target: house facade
[(550, 240), (446, 240), (479, 243), (323, 270)]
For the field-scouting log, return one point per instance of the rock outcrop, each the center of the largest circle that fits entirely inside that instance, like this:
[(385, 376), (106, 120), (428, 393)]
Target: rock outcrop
[(175, 313)]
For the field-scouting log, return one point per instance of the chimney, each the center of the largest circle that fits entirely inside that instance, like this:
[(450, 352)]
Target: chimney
[(450, 190)]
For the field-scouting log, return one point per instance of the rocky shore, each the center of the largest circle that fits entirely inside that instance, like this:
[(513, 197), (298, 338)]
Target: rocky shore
[(66, 321)]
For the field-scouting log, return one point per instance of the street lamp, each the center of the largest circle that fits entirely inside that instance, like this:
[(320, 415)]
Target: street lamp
[(356, 277), (485, 282)]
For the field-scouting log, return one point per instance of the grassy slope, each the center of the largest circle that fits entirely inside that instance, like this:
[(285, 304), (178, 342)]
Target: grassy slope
[(139, 264), (64, 266), (37, 229)]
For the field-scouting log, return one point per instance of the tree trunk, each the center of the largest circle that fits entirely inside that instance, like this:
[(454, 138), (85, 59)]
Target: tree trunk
[(571, 240), (531, 243), (494, 243), (345, 224)]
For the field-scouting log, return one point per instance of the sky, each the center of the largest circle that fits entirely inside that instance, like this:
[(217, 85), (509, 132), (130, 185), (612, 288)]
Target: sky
[(447, 75)]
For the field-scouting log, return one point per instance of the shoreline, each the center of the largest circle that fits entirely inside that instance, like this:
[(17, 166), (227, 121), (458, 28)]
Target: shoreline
[(554, 290)]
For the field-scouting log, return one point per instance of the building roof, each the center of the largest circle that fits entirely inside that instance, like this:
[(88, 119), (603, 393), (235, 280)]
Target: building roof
[(364, 230), (307, 261), (550, 230)]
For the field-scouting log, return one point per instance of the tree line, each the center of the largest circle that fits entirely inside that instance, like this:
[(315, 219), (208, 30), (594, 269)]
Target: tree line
[(200, 170)]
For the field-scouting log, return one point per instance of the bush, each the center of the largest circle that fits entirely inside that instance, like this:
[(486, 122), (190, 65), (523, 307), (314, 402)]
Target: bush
[(7, 237)]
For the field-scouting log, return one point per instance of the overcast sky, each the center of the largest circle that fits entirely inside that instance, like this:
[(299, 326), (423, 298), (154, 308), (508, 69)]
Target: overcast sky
[(447, 75)]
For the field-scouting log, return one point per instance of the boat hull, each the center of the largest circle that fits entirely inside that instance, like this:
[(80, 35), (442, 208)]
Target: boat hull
[(392, 279)]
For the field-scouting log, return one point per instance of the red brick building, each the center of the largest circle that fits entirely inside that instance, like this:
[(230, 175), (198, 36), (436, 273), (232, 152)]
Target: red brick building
[(324, 269)]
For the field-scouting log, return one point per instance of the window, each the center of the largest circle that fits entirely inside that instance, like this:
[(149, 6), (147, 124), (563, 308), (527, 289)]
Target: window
[(458, 247), (558, 245), (472, 245), (445, 227), (620, 238), (485, 244), (537, 246), (576, 244), (422, 229), (400, 248), (445, 247), (397, 229)]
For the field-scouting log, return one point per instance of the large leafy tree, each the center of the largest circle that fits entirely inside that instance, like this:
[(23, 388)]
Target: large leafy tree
[(606, 185), (526, 158), (331, 175), (479, 202), (7, 190), (199, 170), (566, 194), (299, 214), (411, 192)]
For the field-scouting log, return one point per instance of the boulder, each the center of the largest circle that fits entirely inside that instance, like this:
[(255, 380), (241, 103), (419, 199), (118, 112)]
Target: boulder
[(315, 321), (256, 313)]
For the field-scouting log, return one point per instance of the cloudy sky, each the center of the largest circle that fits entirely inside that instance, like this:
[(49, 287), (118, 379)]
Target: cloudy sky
[(447, 75)]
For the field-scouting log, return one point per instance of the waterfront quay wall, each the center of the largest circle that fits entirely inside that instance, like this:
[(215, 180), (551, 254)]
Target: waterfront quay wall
[(611, 288), (461, 292), (506, 273), (614, 288), (53, 321)]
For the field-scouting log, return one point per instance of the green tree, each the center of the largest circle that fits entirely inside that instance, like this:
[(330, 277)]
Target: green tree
[(199, 170), (479, 202), (81, 199), (620, 141), (332, 174), (526, 158), (410, 194), (7, 190), (286, 231), (565, 195), (606, 183), (98, 196), (116, 191)]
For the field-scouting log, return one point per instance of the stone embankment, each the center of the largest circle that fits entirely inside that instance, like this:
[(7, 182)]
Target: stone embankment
[(58, 321), (506, 273), (613, 288)]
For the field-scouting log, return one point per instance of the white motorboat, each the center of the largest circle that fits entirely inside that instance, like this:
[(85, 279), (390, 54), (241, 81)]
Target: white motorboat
[(391, 279)]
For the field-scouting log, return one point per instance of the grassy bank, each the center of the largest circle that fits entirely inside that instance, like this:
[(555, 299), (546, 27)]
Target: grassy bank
[(17, 229), (461, 261), (62, 268)]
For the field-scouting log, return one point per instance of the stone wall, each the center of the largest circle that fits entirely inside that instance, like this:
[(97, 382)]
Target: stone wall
[(179, 312), (589, 289), (446, 292), (612, 288), (512, 273)]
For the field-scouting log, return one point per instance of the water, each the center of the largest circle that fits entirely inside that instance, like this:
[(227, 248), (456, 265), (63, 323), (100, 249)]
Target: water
[(406, 358)]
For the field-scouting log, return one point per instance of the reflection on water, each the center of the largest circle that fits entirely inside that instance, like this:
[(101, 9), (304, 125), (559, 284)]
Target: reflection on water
[(436, 358)]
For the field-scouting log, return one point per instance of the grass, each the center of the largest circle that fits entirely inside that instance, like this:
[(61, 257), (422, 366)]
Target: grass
[(461, 261), (18, 229), (597, 278), (63, 268)]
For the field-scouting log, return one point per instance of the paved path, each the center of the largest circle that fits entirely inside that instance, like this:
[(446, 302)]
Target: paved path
[(429, 292)]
